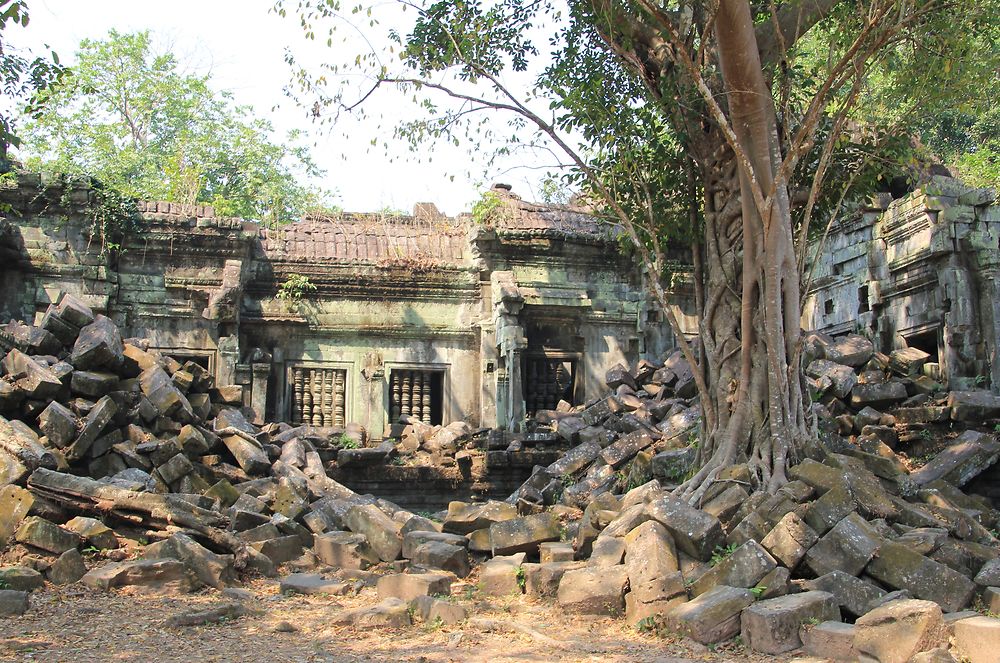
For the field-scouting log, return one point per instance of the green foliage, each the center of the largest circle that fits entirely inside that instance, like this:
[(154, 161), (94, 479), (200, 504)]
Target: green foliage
[(23, 77), (519, 574), (758, 590), (488, 209), (345, 441), (722, 553), (130, 117), (295, 287)]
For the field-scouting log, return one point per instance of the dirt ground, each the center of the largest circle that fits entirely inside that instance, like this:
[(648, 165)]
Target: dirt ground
[(76, 624)]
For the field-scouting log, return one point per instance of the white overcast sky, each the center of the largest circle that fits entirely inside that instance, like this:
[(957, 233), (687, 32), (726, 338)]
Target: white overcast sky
[(241, 44)]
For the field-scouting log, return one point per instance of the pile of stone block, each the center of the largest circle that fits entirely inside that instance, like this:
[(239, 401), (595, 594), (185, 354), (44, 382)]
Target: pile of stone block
[(859, 387), (643, 429), (76, 397)]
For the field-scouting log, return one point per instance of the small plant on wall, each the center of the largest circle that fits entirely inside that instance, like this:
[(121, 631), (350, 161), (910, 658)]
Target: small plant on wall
[(295, 287)]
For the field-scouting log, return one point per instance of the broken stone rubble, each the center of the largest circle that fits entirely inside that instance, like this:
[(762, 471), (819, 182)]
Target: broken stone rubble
[(639, 553)]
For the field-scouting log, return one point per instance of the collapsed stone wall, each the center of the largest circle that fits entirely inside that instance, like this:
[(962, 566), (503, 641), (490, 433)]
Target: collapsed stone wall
[(916, 272)]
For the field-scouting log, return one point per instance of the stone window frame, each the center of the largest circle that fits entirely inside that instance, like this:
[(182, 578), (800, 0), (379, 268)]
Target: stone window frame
[(350, 383), (184, 354), (447, 411)]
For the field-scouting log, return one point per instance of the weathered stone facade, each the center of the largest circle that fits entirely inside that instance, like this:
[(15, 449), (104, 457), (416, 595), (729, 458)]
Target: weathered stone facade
[(919, 272), (442, 318)]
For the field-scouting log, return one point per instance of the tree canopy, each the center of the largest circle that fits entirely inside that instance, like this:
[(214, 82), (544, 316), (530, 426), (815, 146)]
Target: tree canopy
[(128, 115), (22, 76)]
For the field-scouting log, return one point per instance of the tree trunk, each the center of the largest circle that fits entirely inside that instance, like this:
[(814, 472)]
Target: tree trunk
[(751, 325)]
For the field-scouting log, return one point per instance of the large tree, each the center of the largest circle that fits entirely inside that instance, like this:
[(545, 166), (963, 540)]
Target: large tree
[(724, 115), (129, 116)]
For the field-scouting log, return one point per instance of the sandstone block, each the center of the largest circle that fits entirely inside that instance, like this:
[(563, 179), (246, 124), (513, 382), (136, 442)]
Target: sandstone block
[(847, 547), (542, 580), (899, 567), (896, 631), (211, 569), (744, 568), (977, 639), (790, 539), (67, 569), (390, 613), (524, 534), (21, 578), (556, 552), (594, 590), (433, 610), (345, 550), (694, 532), (164, 576), (408, 586), (853, 595), (712, 617), (41, 533), (832, 640), (772, 626), (381, 531), (13, 602), (500, 576), (312, 583), (464, 518), (444, 556)]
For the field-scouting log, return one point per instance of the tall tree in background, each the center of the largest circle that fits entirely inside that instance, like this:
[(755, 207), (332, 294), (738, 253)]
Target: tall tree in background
[(22, 76), (718, 114), (128, 116)]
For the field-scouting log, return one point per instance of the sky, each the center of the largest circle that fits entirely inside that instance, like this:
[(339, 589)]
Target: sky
[(241, 45)]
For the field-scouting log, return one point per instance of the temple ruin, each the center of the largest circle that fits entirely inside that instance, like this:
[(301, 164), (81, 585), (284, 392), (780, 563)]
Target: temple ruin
[(450, 319), (444, 319)]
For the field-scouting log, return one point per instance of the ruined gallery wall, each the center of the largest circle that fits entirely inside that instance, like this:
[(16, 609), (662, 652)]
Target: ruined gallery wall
[(918, 271)]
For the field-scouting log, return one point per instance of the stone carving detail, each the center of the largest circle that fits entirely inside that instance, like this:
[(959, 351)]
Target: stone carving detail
[(318, 396)]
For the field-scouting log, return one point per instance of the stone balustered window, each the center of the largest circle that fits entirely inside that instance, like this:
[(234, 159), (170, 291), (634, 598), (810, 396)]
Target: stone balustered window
[(546, 382), (416, 393), (318, 396)]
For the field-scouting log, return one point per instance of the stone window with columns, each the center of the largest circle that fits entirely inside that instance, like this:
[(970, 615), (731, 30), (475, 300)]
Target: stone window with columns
[(318, 395), (416, 393)]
